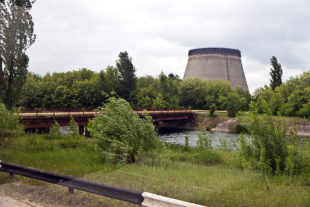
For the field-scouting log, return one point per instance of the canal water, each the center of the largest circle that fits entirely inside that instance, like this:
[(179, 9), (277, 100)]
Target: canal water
[(219, 139)]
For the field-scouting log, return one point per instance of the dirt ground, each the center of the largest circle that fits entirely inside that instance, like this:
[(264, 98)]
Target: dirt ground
[(6, 201)]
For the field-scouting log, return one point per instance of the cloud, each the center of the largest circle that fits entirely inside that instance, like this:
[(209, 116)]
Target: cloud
[(73, 34)]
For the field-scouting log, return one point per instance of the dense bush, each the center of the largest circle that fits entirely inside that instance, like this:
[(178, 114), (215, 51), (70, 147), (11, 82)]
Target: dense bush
[(204, 140), (9, 123), (212, 110), (74, 128), (269, 147), (54, 130), (120, 134), (291, 98), (239, 129), (202, 94), (233, 104)]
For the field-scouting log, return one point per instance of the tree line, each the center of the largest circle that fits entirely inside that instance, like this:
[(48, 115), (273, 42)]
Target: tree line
[(88, 89), (291, 98)]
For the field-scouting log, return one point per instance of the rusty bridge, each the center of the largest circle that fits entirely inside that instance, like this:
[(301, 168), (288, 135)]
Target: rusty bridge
[(42, 120)]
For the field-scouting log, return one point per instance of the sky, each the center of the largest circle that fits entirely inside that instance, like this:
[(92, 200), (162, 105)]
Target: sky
[(157, 34)]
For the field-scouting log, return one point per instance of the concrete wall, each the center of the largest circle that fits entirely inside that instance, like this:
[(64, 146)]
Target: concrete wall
[(216, 66)]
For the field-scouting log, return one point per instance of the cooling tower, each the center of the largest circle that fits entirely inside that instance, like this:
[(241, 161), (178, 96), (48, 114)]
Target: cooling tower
[(216, 63)]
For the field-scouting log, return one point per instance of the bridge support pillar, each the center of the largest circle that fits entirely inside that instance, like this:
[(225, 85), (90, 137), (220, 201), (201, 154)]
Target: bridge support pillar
[(81, 129)]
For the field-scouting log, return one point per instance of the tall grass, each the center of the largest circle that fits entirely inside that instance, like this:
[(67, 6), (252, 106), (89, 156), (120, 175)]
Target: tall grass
[(205, 177), (9, 123), (66, 155)]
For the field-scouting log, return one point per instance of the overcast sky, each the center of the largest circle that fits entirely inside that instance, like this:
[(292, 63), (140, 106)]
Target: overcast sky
[(157, 34)]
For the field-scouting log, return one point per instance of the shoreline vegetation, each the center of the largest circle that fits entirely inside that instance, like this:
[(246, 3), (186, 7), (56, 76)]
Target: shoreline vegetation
[(268, 169), (220, 122), (208, 177)]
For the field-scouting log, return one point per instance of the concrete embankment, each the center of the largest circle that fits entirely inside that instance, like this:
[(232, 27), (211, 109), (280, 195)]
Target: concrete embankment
[(219, 124)]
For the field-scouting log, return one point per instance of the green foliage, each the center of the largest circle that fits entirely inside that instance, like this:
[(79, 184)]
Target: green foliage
[(54, 130), (109, 80), (17, 35), (275, 73), (126, 75), (186, 146), (204, 140), (291, 98), (146, 92), (87, 89), (239, 128), (233, 104), (205, 157), (227, 146), (74, 128), (120, 134), (203, 175), (269, 148), (74, 89), (9, 123), (158, 93), (202, 94), (212, 110)]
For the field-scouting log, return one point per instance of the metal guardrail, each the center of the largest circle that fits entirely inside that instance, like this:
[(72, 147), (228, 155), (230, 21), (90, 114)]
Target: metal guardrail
[(73, 183), (140, 198)]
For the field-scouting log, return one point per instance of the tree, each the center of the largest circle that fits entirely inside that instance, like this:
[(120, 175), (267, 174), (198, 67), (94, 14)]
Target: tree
[(109, 80), (16, 36), (275, 73), (120, 134), (233, 104), (146, 92), (127, 75)]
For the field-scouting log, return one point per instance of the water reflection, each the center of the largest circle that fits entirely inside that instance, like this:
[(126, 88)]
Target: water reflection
[(218, 138)]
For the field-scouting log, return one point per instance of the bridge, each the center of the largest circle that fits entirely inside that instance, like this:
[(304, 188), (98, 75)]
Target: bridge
[(42, 120)]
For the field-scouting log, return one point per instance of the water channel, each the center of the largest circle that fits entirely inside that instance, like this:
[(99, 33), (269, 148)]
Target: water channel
[(218, 138)]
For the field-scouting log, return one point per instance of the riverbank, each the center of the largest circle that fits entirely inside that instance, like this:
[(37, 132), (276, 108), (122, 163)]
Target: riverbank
[(222, 123), (211, 178)]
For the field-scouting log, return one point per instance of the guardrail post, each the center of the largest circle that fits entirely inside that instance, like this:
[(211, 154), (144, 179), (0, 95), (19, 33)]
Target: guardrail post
[(70, 190)]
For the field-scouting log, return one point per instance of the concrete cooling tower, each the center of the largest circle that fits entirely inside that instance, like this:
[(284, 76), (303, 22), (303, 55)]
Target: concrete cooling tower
[(216, 63)]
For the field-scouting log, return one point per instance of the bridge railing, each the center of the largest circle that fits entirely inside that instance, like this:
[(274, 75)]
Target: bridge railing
[(132, 196), (54, 113), (44, 110)]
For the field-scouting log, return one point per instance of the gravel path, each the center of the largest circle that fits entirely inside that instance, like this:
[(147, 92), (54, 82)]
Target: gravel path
[(6, 201)]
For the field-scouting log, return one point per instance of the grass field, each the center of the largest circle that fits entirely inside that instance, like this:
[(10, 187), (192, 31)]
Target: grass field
[(210, 178)]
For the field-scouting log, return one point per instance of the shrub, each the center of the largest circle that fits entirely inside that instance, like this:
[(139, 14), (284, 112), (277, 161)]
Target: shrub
[(204, 141), (228, 145), (233, 104), (186, 145), (268, 147), (9, 123), (55, 130), (74, 128), (120, 134), (212, 110), (239, 129)]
